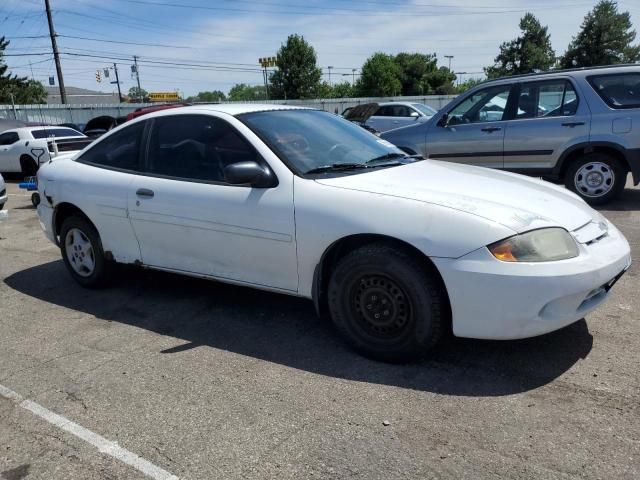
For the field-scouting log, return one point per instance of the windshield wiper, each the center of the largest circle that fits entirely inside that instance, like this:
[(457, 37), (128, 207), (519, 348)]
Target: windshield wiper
[(337, 167), (391, 156)]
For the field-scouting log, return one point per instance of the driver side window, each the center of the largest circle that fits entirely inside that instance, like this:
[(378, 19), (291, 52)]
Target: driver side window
[(488, 105)]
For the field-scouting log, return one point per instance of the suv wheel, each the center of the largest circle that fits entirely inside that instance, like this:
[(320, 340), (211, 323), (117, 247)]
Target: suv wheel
[(387, 306), (596, 177)]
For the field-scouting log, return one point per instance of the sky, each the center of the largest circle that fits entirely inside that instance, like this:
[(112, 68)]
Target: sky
[(200, 45)]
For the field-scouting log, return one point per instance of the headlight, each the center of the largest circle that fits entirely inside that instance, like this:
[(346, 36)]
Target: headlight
[(544, 245)]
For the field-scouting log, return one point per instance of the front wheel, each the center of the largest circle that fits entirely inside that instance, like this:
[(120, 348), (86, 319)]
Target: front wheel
[(387, 305), (596, 177), (82, 252)]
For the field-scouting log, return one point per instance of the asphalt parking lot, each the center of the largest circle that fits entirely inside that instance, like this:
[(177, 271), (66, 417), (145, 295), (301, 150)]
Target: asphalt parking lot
[(202, 380)]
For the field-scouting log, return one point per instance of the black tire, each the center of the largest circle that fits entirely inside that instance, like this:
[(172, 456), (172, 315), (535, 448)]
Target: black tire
[(103, 268), (35, 199), (378, 279), (608, 166), (28, 166)]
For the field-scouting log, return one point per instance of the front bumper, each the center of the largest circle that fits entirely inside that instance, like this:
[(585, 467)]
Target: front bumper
[(497, 300), (45, 215)]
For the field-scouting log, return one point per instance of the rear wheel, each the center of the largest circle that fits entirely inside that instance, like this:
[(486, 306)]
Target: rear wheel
[(388, 306), (82, 252), (28, 166), (596, 177)]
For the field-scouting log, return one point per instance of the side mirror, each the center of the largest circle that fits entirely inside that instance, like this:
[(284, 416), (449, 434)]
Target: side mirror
[(415, 115), (249, 173), (444, 120)]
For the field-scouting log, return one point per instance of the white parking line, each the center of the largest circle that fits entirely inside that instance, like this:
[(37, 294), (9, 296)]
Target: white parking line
[(102, 444)]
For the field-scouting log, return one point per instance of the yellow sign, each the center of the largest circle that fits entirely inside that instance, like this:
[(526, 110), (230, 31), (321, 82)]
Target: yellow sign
[(164, 96)]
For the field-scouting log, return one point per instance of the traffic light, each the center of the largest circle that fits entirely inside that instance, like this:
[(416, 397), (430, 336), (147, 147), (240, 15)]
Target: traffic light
[(98, 76)]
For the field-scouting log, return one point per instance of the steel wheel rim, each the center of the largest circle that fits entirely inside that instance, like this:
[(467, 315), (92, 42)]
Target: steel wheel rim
[(594, 179), (381, 308), (80, 252)]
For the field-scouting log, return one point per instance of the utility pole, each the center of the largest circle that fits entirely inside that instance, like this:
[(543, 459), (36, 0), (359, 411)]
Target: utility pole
[(449, 57), (56, 55), (115, 69), (135, 61)]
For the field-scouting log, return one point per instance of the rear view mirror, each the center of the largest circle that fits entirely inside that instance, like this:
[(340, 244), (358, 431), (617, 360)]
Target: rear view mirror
[(249, 173), (414, 115), (444, 120)]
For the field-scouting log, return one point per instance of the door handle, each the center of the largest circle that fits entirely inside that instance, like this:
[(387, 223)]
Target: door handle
[(144, 192), (490, 129), (572, 124)]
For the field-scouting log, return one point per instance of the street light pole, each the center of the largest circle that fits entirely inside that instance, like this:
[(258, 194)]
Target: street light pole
[(353, 72), (329, 68), (449, 57)]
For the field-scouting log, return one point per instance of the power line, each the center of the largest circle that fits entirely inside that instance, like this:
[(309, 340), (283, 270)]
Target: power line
[(123, 43)]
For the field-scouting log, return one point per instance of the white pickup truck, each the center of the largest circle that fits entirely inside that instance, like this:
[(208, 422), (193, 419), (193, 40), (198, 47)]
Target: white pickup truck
[(25, 149)]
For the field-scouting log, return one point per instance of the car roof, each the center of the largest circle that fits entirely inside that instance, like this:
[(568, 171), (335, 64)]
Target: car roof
[(228, 108), (572, 72), (407, 104)]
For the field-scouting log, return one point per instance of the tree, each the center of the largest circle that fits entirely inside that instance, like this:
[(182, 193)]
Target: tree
[(468, 84), (138, 95), (18, 89), (342, 90), (440, 82), (380, 76), (297, 75), (529, 52), (415, 68), (214, 96), (605, 38), (242, 92)]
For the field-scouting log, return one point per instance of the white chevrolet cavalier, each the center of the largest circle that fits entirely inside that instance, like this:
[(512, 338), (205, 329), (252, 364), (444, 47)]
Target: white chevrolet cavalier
[(395, 248)]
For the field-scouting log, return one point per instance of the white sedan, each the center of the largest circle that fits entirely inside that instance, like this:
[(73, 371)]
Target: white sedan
[(395, 248)]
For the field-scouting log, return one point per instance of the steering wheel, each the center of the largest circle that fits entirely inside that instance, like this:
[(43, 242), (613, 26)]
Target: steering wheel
[(333, 151)]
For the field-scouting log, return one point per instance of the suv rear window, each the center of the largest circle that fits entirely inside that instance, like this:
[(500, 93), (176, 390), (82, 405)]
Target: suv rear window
[(618, 90)]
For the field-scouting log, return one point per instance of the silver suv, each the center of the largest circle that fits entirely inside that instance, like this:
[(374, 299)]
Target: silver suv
[(578, 127)]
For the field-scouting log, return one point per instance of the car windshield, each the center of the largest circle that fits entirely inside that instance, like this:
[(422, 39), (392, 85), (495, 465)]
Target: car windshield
[(312, 141), (55, 132), (426, 109)]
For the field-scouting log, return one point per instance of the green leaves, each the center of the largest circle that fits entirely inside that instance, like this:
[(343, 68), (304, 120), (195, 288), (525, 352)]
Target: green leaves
[(19, 89), (530, 52), (605, 38), (297, 75)]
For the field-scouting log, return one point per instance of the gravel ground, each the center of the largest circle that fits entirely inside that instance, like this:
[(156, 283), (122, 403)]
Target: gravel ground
[(207, 380)]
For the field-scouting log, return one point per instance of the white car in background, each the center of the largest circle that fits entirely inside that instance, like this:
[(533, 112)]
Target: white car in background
[(24, 149), (395, 248), (392, 115)]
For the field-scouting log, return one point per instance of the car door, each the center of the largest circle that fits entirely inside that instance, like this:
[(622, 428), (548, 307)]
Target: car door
[(473, 130), (402, 115), (380, 120), (188, 219), (549, 118), (9, 159)]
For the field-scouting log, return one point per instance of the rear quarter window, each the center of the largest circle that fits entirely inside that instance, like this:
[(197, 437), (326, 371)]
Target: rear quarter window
[(618, 90)]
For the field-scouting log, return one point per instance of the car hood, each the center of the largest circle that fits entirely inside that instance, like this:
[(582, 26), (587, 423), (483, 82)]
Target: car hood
[(515, 201)]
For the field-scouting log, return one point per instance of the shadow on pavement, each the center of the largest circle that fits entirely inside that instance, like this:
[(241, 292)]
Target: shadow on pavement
[(629, 200), (285, 330)]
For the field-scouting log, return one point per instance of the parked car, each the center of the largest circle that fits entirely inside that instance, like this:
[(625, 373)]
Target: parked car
[(153, 108), (395, 248), (392, 115), (98, 126), (3, 193), (579, 127), (25, 149)]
